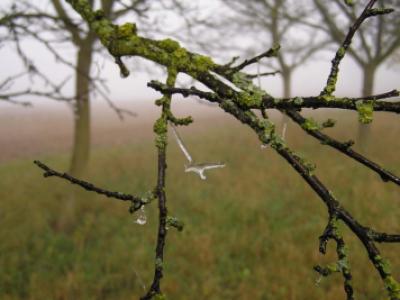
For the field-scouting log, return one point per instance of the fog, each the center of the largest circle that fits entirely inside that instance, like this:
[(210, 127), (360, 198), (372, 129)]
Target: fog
[(307, 79)]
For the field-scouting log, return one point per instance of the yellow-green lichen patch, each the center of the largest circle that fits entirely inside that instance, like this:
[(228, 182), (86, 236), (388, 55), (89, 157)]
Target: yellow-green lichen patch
[(327, 98), (252, 95), (365, 111), (349, 2), (329, 123), (382, 264), (160, 297), (105, 31), (331, 86), (169, 45), (393, 287), (341, 52), (247, 100), (203, 63), (310, 125), (176, 223), (160, 126), (126, 30), (298, 101), (159, 263)]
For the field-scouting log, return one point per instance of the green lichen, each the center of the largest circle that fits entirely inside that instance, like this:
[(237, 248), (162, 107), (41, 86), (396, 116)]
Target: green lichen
[(393, 287), (329, 123), (349, 2), (105, 31), (277, 142), (203, 63), (382, 264), (341, 52), (380, 11), (343, 251), (99, 14), (327, 98), (247, 100), (172, 74), (180, 53), (252, 95), (179, 121), (342, 265), (169, 45), (298, 101), (332, 268), (159, 263), (160, 126), (310, 125), (309, 166), (161, 101), (174, 222), (365, 111), (160, 297), (161, 141), (126, 30), (331, 86), (275, 50), (241, 80)]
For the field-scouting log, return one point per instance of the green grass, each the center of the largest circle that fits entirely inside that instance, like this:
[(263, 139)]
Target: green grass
[(251, 230)]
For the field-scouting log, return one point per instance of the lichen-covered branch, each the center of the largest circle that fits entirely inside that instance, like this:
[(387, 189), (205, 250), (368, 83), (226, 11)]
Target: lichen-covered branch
[(313, 129), (295, 103), (238, 97), (161, 130)]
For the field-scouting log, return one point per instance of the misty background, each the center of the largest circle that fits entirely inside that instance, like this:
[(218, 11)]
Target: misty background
[(63, 101)]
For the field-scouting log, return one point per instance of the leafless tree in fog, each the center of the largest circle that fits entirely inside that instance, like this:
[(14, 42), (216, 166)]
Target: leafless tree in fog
[(234, 91)]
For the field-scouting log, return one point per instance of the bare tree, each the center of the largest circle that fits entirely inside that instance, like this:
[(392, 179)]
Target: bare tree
[(12, 34), (277, 22), (56, 30), (84, 40), (374, 43), (234, 92)]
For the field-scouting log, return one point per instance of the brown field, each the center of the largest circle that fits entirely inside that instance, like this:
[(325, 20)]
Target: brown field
[(251, 230)]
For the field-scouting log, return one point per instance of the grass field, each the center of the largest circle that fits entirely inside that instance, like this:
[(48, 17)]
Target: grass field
[(251, 229)]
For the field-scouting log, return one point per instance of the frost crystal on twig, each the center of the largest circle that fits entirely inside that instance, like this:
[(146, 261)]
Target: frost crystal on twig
[(284, 130), (142, 218), (192, 166)]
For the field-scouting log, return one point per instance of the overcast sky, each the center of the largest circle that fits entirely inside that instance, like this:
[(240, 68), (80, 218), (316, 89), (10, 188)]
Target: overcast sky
[(308, 79)]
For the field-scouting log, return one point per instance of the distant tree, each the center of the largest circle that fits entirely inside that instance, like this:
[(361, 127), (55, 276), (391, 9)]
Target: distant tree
[(57, 29), (12, 34), (277, 22), (255, 24), (233, 90), (373, 44)]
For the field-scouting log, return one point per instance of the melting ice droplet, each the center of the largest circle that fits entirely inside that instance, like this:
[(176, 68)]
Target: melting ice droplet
[(141, 219), (264, 146), (318, 280)]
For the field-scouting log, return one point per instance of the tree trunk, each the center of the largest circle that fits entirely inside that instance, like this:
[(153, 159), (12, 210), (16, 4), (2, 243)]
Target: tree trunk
[(81, 143), (81, 146), (287, 86), (364, 130)]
